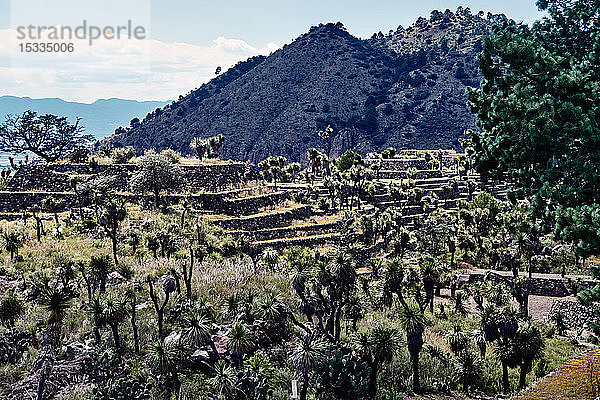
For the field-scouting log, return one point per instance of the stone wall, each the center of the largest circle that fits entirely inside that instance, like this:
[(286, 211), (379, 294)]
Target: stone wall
[(402, 174), (263, 221), (14, 202), (248, 205), (56, 177), (540, 286), (301, 241), (289, 231), (576, 314), (399, 164)]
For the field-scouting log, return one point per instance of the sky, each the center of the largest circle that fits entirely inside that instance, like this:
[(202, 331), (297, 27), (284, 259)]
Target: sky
[(183, 41)]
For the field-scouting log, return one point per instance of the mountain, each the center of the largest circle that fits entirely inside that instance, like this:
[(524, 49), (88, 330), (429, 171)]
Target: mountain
[(99, 118), (406, 89)]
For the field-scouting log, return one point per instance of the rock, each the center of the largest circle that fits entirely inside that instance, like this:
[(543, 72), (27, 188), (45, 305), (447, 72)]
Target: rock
[(115, 279), (220, 343), (199, 356), (75, 349), (173, 338)]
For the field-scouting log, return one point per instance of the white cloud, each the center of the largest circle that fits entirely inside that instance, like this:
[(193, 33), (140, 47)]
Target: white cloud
[(132, 69)]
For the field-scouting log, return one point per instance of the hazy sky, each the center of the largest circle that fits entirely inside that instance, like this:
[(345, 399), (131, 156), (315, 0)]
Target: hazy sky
[(185, 40)]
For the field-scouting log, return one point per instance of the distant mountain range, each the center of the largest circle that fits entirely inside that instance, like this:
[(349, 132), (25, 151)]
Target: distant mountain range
[(405, 89), (99, 118)]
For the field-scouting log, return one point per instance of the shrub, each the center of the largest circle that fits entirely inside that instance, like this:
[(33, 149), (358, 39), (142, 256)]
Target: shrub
[(171, 155), (122, 155)]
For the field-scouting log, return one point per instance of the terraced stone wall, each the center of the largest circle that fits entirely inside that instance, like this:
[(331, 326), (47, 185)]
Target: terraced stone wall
[(576, 314), (56, 177)]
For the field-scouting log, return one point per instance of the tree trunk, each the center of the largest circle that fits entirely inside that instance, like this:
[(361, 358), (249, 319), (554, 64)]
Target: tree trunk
[(157, 198), (38, 229), (41, 385), (176, 383), (373, 382), (136, 340), (415, 368), (114, 248), (97, 335), (505, 384), (115, 331), (523, 375), (159, 319), (304, 389)]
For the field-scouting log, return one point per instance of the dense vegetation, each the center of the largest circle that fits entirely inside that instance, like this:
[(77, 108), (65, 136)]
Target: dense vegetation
[(538, 110), (149, 300)]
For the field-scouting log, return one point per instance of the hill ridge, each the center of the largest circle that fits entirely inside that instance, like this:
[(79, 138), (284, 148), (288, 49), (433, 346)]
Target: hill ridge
[(406, 89)]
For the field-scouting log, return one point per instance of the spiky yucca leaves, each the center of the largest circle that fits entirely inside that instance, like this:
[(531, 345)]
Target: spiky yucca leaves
[(468, 369), (413, 321), (505, 350), (308, 352), (196, 327), (508, 321), (223, 380), (100, 267), (478, 337), (430, 276), (114, 310), (324, 286), (458, 304), (163, 358), (529, 345), (56, 301), (377, 347), (240, 340), (457, 338), (12, 242), (489, 322)]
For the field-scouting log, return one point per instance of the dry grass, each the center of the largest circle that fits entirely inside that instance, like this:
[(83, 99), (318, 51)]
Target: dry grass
[(578, 379)]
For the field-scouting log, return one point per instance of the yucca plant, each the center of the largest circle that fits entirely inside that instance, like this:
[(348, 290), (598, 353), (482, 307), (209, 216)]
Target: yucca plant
[(413, 321), (223, 380), (240, 340), (377, 347), (468, 369), (308, 352), (163, 358), (114, 312), (12, 242), (56, 301), (457, 338)]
